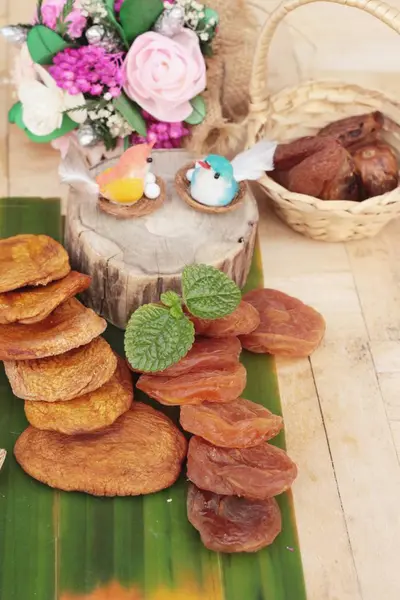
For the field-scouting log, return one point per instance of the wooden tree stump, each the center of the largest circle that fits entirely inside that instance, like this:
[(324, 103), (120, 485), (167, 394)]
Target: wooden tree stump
[(133, 261)]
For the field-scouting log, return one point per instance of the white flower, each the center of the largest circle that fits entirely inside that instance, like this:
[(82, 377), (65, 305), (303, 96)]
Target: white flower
[(44, 103)]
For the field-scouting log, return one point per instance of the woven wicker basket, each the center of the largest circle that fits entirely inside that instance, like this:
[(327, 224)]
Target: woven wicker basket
[(303, 110)]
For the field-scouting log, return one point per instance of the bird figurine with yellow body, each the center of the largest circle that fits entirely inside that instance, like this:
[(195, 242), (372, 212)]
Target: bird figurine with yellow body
[(124, 184), (130, 179)]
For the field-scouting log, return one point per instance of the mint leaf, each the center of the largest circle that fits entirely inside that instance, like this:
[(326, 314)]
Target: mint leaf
[(154, 339), (137, 16), (170, 299), (176, 311), (44, 44), (209, 293)]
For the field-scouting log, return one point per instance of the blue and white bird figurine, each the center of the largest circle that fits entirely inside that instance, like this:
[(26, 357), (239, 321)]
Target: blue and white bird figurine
[(215, 180)]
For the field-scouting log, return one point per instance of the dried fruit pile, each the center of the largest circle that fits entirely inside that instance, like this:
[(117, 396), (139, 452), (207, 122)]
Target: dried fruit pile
[(235, 473), (85, 433)]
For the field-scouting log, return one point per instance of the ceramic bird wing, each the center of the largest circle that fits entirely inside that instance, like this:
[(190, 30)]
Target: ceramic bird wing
[(254, 162)]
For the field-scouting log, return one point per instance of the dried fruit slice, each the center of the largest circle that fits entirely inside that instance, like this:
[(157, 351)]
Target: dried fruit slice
[(239, 424), (259, 472), (31, 260), (288, 327), (91, 412), (30, 305), (205, 354), (222, 385), (65, 376), (232, 524), (141, 453), (69, 326), (243, 320)]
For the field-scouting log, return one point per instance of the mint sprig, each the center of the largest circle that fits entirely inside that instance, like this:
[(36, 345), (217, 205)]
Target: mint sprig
[(208, 293), (156, 338), (159, 335)]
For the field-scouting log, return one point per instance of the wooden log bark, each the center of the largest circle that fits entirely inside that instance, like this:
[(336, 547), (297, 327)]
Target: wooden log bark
[(133, 261)]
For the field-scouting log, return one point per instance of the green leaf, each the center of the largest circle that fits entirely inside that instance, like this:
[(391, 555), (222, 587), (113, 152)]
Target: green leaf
[(208, 293), (154, 339), (67, 8), (109, 4), (137, 16), (131, 113), (170, 299), (15, 115), (44, 44), (39, 11), (199, 111)]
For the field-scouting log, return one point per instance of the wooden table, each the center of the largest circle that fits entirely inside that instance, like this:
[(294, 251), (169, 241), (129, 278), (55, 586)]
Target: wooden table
[(341, 408)]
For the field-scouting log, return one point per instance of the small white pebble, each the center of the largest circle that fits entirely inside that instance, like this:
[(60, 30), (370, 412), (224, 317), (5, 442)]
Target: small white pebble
[(150, 177), (152, 191), (169, 499)]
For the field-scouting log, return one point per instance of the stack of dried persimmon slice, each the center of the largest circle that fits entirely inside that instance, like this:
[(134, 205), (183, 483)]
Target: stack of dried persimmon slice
[(235, 473), (85, 434)]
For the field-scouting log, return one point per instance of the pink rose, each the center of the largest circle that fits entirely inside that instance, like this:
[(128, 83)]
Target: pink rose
[(162, 74), (52, 9)]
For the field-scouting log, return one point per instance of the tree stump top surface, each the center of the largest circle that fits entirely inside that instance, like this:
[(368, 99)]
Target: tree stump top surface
[(170, 238)]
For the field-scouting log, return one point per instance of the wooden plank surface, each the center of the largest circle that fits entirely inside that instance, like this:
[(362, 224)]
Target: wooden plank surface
[(342, 408)]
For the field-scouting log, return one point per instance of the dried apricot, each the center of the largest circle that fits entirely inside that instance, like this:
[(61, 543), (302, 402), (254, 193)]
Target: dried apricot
[(243, 320), (91, 412), (70, 325), (288, 327), (239, 424), (141, 453), (205, 353), (222, 385), (33, 304), (259, 472), (65, 376), (232, 524), (31, 260)]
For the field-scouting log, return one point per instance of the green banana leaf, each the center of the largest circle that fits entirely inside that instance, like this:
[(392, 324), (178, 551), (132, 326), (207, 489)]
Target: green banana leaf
[(70, 546)]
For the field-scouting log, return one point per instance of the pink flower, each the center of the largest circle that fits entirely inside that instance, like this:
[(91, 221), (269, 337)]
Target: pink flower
[(162, 74), (52, 9)]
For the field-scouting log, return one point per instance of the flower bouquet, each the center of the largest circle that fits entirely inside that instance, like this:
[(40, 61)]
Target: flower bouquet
[(112, 72)]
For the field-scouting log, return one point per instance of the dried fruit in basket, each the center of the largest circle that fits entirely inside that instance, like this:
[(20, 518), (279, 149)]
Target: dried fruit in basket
[(33, 304), (318, 167), (355, 129), (214, 385), (239, 424), (141, 453), (67, 327), (90, 412), (205, 354), (378, 168), (231, 524), (65, 376), (288, 326), (260, 472), (242, 320), (31, 260)]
